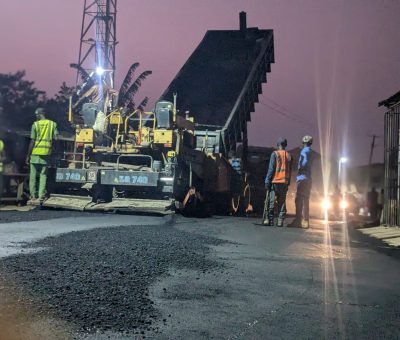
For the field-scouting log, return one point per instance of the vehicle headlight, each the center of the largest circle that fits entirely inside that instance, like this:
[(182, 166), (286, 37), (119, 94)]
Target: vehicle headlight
[(326, 204), (343, 204)]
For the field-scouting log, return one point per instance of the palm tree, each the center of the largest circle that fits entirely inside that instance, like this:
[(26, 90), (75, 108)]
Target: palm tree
[(129, 88), (87, 80), (143, 103)]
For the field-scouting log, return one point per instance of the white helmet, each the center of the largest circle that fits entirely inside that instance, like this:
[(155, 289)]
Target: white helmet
[(307, 140)]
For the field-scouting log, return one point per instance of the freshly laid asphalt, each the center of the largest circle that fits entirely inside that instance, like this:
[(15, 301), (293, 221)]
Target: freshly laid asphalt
[(130, 277)]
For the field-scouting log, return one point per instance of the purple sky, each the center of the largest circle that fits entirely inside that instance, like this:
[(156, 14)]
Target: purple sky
[(334, 59)]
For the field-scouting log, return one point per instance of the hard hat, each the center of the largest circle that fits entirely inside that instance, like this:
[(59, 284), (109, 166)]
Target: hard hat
[(39, 111), (281, 141), (307, 139)]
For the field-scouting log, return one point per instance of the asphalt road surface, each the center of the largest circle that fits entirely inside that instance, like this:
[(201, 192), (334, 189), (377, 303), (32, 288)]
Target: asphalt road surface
[(70, 275)]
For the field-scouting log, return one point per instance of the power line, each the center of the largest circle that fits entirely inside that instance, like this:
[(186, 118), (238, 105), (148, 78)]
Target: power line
[(284, 108), (288, 115), (282, 113)]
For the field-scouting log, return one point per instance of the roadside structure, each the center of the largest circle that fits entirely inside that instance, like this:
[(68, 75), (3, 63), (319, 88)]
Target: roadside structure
[(363, 178), (391, 203)]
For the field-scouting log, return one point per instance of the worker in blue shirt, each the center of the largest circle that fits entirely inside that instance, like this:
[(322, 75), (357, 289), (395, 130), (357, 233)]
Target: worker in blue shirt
[(304, 181)]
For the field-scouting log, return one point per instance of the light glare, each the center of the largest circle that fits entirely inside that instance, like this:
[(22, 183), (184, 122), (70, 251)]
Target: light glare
[(343, 204), (99, 71), (326, 204)]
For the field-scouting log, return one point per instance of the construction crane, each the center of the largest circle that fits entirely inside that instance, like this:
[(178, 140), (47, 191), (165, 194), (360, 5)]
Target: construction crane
[(98, 40)]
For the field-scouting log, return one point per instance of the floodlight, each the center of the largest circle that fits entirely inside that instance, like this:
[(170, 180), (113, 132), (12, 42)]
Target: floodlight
[(99, 70)]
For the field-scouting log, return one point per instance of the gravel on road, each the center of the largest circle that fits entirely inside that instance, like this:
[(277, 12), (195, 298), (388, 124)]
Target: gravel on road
[(99, 279), (11, 216)]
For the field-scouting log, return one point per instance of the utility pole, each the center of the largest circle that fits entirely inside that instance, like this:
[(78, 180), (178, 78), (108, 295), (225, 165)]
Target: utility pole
[(372, 149), (371, 154)]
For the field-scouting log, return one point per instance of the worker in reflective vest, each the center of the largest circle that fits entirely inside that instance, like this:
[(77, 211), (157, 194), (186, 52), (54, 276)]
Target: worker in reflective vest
[(43, 133), (2, 158), (276, 183)]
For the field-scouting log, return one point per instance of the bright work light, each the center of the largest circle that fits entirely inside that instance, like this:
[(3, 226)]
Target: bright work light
[(99, 70)]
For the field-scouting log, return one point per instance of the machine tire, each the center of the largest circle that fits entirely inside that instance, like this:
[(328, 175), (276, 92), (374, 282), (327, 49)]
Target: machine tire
[(240, 204), (101, 193), (236, 200), (247, 206)]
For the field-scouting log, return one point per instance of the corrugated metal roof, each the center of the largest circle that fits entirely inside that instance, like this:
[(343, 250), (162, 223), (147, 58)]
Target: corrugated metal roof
[(392, 100)]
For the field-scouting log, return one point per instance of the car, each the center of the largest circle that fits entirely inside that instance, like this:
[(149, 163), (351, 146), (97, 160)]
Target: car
[(337, 206)]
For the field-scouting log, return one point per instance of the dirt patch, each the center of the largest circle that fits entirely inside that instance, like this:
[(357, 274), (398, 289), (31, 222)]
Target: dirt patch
[(20, 319)]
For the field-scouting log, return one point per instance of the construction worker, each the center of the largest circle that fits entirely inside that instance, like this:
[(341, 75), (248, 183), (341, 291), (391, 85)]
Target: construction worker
[(276, 183), (303, 179), (372, 202), (43, 133), (2, 158)]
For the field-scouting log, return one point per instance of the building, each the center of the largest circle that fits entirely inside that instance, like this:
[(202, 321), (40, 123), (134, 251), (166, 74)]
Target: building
[(362, 179), (391, 205)]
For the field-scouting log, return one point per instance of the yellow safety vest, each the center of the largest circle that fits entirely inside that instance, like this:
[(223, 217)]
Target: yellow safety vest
[(45, 130), (1, 150)]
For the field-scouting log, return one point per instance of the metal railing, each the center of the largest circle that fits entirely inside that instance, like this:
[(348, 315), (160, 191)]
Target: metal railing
[(235, 129), (391, 209)]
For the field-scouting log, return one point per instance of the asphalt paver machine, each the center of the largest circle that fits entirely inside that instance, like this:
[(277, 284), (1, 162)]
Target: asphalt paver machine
[(143, 161), (165, 160)]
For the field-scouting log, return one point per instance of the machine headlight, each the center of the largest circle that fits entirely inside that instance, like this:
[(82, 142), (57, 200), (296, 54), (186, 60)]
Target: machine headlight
[(166, 179), (326, 204), (343, 204)]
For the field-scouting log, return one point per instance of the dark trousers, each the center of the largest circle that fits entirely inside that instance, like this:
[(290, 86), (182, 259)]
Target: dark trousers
[(1, 186), (277, 193), (303, 200), (373, 211)]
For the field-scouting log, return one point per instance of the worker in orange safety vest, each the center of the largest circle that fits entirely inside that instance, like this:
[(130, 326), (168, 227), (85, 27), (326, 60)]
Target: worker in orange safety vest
[(277, 182)]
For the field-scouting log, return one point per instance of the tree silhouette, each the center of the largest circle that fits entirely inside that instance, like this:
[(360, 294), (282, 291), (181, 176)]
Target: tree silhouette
[(64, 93), (126, 93), (57, 107), (19, 99), (129, 88)]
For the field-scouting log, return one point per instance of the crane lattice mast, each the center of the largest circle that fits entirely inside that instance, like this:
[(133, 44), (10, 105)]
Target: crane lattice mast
[(98, 39)]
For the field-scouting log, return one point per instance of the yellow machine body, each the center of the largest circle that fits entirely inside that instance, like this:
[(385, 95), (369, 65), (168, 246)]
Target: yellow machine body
[(163, 136), (85, 136), (142, 161)]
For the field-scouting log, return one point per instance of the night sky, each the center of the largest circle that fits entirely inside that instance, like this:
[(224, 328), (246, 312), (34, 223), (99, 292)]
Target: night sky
[(334, 59)]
